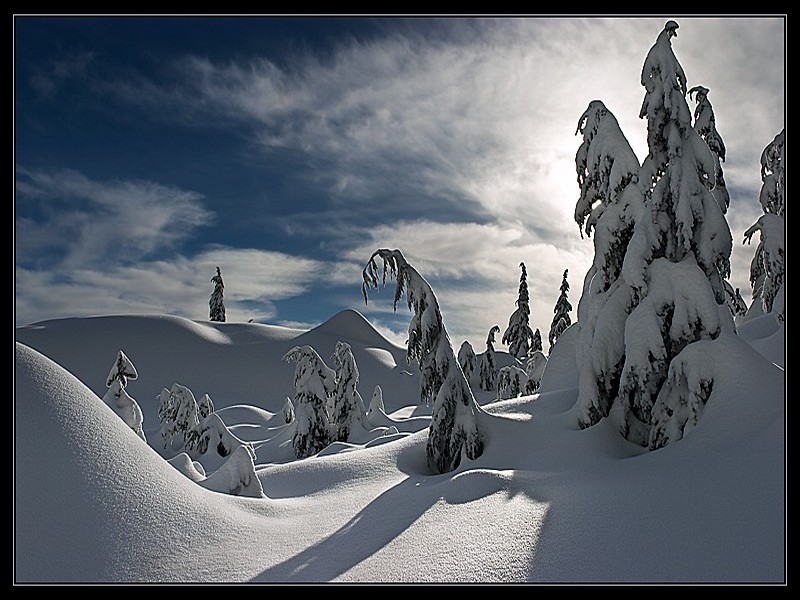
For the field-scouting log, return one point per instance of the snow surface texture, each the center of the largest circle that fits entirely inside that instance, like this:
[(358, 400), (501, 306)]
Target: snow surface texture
[(546, 502)]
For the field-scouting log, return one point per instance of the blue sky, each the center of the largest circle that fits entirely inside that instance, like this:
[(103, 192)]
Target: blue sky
[(148, 150)]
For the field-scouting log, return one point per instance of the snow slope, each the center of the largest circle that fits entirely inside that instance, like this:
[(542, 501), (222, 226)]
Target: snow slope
[(546, 502)]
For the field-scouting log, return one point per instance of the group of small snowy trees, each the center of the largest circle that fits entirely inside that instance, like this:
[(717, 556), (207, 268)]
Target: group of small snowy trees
[(188, 428), (654, 299), (327, 406)]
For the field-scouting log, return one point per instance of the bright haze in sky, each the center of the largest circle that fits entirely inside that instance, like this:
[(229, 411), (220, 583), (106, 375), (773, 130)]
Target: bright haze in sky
[(150, 150)]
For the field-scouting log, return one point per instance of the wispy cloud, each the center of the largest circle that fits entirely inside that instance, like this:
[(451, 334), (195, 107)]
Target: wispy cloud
[(85, 222)]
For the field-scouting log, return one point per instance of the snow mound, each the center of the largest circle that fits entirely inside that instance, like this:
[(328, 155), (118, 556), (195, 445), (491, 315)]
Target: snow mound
[(350, 325)]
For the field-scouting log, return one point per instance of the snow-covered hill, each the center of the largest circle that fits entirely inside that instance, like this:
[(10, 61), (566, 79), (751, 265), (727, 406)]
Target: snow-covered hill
[(546, 502)]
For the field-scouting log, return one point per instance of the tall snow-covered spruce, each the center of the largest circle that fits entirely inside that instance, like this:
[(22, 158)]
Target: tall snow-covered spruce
[(518, 335), (768, 265), (561, 318), (676, 263), (216, 305), (315, 384), (488, 368), (670, 291), (610, 203), (454, 428)]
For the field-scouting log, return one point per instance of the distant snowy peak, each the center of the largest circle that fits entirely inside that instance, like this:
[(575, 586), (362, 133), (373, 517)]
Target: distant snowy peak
[(352, 326)]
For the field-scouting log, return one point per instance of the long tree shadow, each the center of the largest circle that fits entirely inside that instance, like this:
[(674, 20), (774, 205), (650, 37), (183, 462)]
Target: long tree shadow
[(385, 518), (375, 526)]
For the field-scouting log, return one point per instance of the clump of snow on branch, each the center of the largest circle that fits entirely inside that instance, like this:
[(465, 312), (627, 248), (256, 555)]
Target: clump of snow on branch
[(315, 385), (118, 399), (454, 426)]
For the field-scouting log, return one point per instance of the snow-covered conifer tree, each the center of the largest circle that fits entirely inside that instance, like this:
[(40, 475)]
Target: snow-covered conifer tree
[(314, 384), (216, 304), (348, 406), (705, 125), (518, 336), (676, 261), (488, 371), (536, 344), (610, 202), (561, 318), (768, 265), (454, 427), (118, 399), (204, 407), (288, 410), (467, 359), (178, 414), (376, 407), (735, 301), (534, 370)]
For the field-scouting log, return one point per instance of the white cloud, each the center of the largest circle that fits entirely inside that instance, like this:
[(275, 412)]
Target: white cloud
[(81, 221), (181, 286)]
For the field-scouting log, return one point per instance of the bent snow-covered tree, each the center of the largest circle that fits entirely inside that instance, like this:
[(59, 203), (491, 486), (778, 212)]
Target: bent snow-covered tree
[(561, 318), (178, 414), (216, 304), (534, 369), (676, 262), (610, 203), (768, 265), (518, 335), (118, 399), (511, 382), (315, 384), (488, 370), (348, 406), (454, 428)]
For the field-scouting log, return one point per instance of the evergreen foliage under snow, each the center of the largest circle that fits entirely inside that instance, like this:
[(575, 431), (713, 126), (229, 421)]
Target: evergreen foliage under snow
[(216, 304), (315, 384), (561, 318), (518, 335), (348, 406), (118, 399), (488, 370), (454, 425)]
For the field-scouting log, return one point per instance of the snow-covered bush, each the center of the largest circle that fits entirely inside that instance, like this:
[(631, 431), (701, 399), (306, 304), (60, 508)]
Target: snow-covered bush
[(118, 399), (488, 370), (376, 407), (511, 382), (205, 406), (237, 475), (315, 384), (454, 413), (518, 335), (534, 369), (216, 304)]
